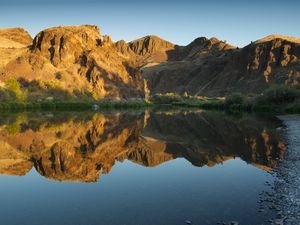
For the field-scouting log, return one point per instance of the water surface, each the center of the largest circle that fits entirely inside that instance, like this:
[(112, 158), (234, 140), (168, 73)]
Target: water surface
[(152, 167)]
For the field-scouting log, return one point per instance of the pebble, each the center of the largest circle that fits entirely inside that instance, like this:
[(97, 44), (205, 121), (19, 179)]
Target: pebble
[(286, 194), (278, 222), (234, 223)]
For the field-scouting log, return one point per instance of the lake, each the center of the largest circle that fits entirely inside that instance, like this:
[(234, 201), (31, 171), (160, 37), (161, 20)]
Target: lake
[(136, 167)]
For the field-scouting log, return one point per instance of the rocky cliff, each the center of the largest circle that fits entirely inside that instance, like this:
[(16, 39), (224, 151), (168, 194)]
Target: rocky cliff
[(211, 67), (79, 62), (149, 49), (75, 61)]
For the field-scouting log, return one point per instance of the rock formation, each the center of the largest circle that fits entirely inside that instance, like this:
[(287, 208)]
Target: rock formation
[(210, 67), (17, 35), (13, 43), (76, 61), (149, 49)]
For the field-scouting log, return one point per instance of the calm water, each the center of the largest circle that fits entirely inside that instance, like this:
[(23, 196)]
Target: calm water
[(135, 167)]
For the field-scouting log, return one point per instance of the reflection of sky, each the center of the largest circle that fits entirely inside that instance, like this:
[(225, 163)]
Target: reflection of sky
[(237, 22), (133, 194)]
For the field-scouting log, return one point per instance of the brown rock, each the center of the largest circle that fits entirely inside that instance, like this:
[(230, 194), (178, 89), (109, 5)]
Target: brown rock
[(213, 68), (77, 60)]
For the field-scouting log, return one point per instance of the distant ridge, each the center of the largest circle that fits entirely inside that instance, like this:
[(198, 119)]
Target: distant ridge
[(278, 36)]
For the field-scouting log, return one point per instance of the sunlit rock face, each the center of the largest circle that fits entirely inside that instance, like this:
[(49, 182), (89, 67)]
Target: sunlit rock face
[(76, 61), (81, 147)]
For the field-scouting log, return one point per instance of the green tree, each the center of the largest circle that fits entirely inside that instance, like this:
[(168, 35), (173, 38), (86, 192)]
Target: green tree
[(14, 86)]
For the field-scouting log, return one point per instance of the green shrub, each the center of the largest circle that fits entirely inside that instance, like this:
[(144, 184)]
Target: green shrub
[(15, 87), (234, 99), (295, 108), (279, 95)]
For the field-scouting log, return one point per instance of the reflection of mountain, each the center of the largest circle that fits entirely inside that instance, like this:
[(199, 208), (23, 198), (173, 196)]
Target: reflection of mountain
[(210, 138), (73, 148)]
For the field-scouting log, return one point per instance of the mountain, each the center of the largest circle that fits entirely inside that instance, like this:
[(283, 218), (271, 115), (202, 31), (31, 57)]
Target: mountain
[(74, 62), (146, 50), (13, 42), (210, 67), (78, 62), (15, 37)]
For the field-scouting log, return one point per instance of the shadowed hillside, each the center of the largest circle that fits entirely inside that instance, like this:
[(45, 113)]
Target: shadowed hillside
[(210, 67)]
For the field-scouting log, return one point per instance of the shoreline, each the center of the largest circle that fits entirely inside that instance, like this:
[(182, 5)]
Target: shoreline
[(19, 106), (285, 197)]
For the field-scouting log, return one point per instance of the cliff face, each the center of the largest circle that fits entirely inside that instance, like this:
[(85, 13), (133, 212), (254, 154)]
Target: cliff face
[(271, 57), (81, 148), (76, 61), (211, 67), (64, 46)]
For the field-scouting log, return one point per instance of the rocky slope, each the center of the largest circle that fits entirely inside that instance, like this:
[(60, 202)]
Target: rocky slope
[(13, 43), (75, 61), (17, 35), (149, 49), (211, 67), (78, 62)]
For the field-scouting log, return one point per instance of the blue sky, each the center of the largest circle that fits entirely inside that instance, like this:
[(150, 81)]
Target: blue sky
[(237, 22)]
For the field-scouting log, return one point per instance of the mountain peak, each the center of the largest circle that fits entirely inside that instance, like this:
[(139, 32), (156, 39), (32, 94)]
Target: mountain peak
[(150, 44), (74, 28), (14, 37)]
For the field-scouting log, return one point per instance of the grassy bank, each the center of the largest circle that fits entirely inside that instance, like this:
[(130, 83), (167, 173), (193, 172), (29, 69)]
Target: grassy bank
[(17, 97), (69, 106), (277, 99)]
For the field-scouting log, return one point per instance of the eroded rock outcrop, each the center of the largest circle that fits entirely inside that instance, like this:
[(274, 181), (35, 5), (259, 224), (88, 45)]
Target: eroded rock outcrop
[(211, 67), (147, 50), (78, 61), (271, 57)]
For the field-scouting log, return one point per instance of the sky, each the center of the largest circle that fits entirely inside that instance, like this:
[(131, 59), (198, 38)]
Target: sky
[(237, 22)]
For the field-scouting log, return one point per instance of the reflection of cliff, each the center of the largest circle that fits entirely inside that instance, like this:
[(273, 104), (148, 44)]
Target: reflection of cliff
[(208, 138), (75, 150), (79, 148)]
